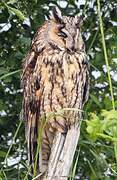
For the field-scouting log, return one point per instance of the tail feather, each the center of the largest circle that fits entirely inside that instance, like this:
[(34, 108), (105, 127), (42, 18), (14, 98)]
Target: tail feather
[(40, 140), (32, 143), (39, 146)]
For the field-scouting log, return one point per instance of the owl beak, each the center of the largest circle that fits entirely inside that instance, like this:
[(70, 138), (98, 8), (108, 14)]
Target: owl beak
[(70, 46), (71, 50)]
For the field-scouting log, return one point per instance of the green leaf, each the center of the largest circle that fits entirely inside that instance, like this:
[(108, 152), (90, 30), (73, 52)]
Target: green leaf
[(96, 100), (107, 137), (94, 126), (109, 114), (2, 153), (107, 103), (17, 12), (3, 71), (12, 1), (9, 74)]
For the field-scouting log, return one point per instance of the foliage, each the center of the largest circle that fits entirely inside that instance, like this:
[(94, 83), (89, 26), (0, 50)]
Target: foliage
[(96, 156)]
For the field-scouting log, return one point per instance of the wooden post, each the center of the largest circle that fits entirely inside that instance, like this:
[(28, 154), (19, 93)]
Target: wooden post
[(62, 154)]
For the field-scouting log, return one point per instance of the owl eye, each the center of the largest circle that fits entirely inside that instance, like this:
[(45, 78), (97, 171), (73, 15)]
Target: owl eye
[(62, 34)]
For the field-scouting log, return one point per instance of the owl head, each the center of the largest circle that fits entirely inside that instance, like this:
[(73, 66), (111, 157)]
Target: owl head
[(67, 31), (61, 32)]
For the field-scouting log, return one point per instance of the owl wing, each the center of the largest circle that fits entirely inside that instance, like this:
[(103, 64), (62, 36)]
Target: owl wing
[(87, 83), (31, 104)]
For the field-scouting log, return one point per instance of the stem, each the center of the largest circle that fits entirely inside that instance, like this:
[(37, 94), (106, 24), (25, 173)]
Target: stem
[(92, 42), (105, 53), (9, 74), (115, 149), (15, 135)]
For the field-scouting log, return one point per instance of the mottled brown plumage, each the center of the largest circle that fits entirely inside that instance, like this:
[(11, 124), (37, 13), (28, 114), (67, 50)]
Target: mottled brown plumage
[(55, 77)]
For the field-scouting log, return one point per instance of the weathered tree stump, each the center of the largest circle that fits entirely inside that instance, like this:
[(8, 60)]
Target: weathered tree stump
[(62, 154)]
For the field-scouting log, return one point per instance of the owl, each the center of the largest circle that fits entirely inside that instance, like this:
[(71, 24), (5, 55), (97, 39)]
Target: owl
[(55, 78)]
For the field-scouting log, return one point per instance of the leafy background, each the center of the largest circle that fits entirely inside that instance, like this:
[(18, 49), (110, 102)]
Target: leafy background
[(96, 155)]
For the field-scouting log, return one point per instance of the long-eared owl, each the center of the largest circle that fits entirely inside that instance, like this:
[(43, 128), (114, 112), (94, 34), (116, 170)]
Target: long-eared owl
[(55, 77)]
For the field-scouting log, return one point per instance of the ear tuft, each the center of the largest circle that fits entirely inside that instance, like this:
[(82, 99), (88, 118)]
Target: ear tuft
[(79, 20), (56, 15)]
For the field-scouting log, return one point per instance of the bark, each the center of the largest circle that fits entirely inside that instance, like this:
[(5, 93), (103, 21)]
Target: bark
[(62, 154)]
